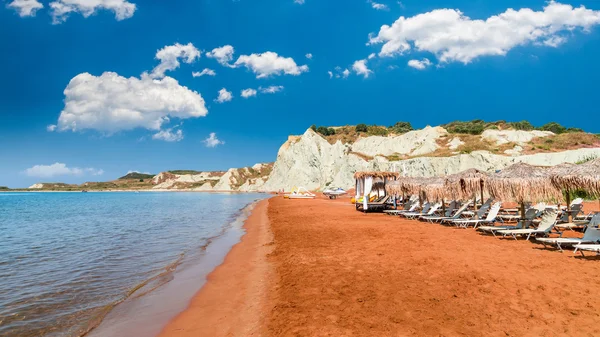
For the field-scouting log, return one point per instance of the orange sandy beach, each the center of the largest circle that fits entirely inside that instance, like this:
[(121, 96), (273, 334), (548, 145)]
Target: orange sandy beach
[(319, 268)]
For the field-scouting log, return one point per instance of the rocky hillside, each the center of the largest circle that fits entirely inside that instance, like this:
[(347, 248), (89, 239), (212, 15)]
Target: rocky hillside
[(318, 161), (329, 156)]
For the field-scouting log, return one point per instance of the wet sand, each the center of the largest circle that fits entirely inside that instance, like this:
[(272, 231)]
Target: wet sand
[(333, 271), (232, 301)]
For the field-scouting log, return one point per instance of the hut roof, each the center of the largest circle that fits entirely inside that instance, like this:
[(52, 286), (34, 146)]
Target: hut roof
[(585, 176), (466, 183), (523, 182), (404, 185), (376, 174), (561, 168), (433, 187)]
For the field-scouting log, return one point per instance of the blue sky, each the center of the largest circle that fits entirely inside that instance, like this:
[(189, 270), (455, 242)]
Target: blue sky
[(538, 64)]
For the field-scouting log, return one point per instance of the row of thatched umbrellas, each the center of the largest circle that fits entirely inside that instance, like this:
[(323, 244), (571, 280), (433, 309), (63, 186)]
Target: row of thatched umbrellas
[(520, 182)]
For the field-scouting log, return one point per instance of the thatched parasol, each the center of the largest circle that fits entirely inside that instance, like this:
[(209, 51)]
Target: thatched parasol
[(376, 174), (522, 182), (467, 184), (585, 177)]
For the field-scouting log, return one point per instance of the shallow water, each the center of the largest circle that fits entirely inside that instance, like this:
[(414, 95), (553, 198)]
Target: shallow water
[(66, 259)]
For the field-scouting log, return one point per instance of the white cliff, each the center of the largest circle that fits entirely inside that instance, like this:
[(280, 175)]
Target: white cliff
[(412, 143), (513, 136)]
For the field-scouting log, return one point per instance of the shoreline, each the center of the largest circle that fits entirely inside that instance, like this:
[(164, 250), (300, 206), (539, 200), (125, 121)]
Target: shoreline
[(233, 299), (146, 314)]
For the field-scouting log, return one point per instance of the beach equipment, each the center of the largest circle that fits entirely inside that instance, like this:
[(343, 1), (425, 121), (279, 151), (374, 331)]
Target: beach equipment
[(530, 214), (430, 211), (299, 193), (333, 193), (544, 228), (491, 218), (587, 247), (467, 184), (591, 236), (584, 177), (581, 224), (455, 216), (523, 182), (365, 182)]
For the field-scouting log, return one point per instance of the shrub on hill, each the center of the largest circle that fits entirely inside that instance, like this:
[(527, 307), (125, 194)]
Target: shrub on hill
[(137, 175), (325, 131), (361, 128), (401, 127), (522, 125), (184, 172), (3, 188), (474, 127)]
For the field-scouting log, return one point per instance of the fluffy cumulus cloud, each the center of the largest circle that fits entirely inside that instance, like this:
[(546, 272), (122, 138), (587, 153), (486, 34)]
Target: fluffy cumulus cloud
[(205, 71), (61, 9), (213, 141), (60, 169), (419, 64), (169, 58), (309, 56), (271, 89), (25, 7), (269, 64), (223, 55), (454, 37), (360, 68), (51, 128), (248, 93), (224, 96), (168, 135), (110, 103)]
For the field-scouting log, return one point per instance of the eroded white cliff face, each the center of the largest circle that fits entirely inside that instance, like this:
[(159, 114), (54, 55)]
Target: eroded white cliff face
[(513, 136), (312, 162), (412, 143)]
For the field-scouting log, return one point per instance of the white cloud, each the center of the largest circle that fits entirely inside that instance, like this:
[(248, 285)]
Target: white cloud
[(25, 7), (271, 90), (213, 141), (269, 63), (309, 56), (168, 135), (51, 128), (60, 169), (345, 73), (378, 6), (330, 74), (61, 9), (360, 68), (169, 58), (300, 2), (248, 92), (454, 37), (371, 56), (205, 71), (224, 96), (111, 103), (223, 55), (422, 64)]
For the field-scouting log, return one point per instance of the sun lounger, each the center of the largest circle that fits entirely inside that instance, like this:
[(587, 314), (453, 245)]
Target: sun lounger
[(491, 218), (456, 215), (587, 247), (544, 228), (591, 235), (576, 224), (424, 210), (415, 215), (529, 215)]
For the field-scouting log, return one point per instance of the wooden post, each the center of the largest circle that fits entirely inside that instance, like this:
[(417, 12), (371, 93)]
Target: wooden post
[(568, 198), (523, 213), (475, 204), (443, 207), (481, 188)]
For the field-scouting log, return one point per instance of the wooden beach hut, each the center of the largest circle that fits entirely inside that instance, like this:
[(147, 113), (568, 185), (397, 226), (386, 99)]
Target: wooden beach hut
[(369, 183)]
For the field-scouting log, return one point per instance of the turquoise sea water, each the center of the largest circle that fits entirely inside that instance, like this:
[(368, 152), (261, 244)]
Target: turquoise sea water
[(67, 258)]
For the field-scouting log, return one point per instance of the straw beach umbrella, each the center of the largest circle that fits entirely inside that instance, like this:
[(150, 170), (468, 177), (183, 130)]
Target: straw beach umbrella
[(522, 182), (585, 177), (467, 183)]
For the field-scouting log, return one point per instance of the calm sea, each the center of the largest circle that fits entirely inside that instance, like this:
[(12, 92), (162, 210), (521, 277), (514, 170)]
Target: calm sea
[(66, 259)]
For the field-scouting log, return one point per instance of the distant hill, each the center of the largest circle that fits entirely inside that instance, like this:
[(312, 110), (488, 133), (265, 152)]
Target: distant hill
[(137, 175), (184, 172)]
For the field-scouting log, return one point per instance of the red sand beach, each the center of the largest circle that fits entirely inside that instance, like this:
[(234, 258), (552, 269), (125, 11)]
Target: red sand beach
[(319, 268)]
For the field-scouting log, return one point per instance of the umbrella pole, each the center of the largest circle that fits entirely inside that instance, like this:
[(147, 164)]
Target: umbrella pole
[(523, 213), (475, 204), (568, 198), (481, 188), (443, 207)]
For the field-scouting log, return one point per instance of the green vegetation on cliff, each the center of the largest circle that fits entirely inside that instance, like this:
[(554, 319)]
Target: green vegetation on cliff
[(137, 175)]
